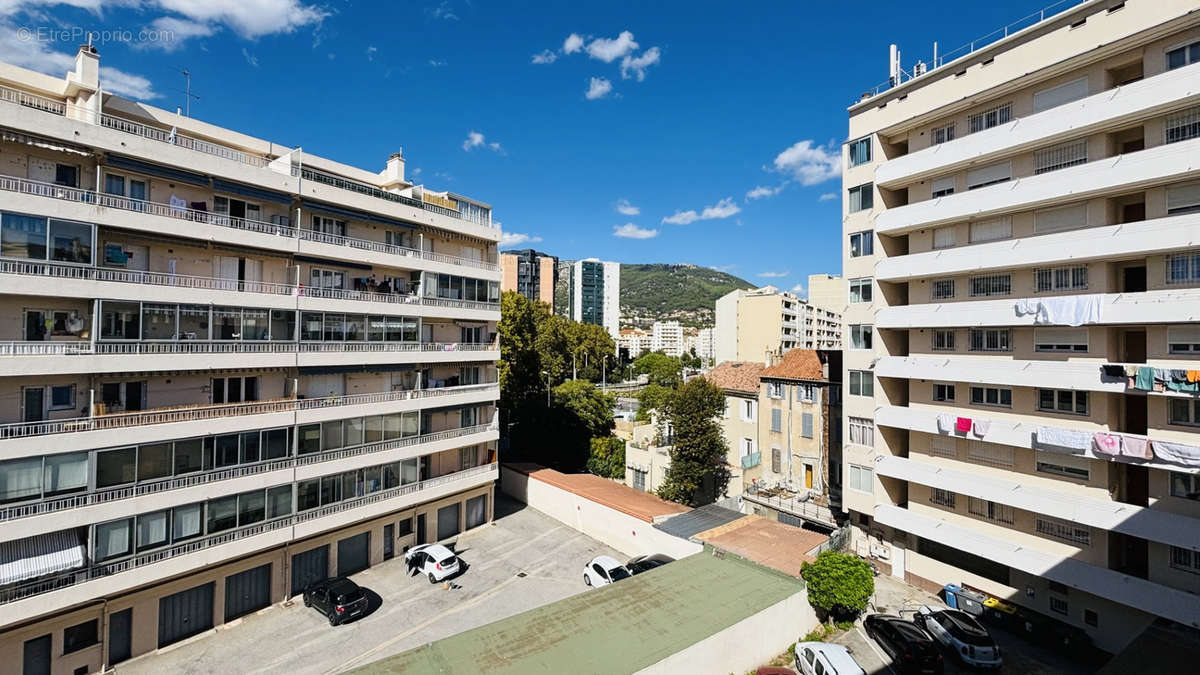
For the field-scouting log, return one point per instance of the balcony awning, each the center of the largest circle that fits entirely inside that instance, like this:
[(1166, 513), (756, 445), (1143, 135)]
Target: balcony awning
[(169, 173), (40, 555), (262, 194), (308, 204), (368, 368), (331, 263), (44, 143)]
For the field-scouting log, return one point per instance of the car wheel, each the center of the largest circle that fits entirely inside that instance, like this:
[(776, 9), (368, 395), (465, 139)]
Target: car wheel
[(587, 580), (432, 579), (307, 602), (332, 619)]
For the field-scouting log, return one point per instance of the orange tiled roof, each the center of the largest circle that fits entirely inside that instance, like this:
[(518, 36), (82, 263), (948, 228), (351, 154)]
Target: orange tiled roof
[(641, 505), (737, 376), (797, 364)]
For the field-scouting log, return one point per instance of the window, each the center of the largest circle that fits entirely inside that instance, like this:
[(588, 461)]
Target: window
[(806, 393), (234, 389), (860, 336), (1182, 56), (1058, 605), (991, 230), (943, 392), (327, 225), (748, 411), (67, 175), (113, 539), (1070, 278), (942, 187), (942, 497), (1185, 485), (152, 530), (862, 383), (1185, 411), (989, 118), (942, 289), (999, 513), (989, 175), (37, 238), (862, 478), (806, 425), (80, 636), (992, 284), (862, 431), (776, 389), (1183, 125), (861, 197), (776, 460), (405, 527), (991, 396), (1063, 401), (639, 480), (860, 290), (862, 244), (1060, 529), (990, 339), (943, 237), (942, 134), (1183, 268), (62, 397), (1059, 219), (1185, 559), (1061, 465), (1060, 156), (776, 419), (859, 151), (1091, 618), (943, 447), (990, 453), (1058, 95), (1060, 340)]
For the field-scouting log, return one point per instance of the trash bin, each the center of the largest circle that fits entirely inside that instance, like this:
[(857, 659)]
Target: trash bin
[(950, 593), (971, 601)]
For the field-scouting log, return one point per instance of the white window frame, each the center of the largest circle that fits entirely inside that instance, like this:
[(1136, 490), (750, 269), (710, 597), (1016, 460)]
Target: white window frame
[(850, 151), (866, 381), (748, 410), (1191, 54), (982, 182), (1060, 156), (855, 201), (1060, 279), (941, 289), (941, 134), (866, 243), (1060, 94), (990, 340), (943, 237), (994, 229), (860, 284), (990, 118), (1185, 485), (776, 390), (805, 393), (861, 336), (1061, 340), (862, 431), (943, 392), (747, 446), (943, 340), (1183, 268), (1183, 339), (1080, 210), (995, 394), (989, 285), (1063, 466), (1182, 126), (862, 479), (942, 187)]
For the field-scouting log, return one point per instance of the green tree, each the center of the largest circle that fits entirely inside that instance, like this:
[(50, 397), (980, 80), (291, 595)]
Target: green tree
[(590, 407), (607, 457), (698, 472), (663, 370), (690, 360), (652, 397), (520, 359), (839, 584)]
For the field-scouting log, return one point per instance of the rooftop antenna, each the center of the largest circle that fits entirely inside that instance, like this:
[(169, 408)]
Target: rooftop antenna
[(188, 95)]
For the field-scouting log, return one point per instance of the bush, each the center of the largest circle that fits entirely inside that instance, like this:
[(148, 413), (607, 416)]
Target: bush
[(839, 585), (607, 457)]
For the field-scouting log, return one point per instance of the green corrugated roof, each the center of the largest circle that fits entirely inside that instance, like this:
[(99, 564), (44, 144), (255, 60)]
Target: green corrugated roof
[(620, 628)]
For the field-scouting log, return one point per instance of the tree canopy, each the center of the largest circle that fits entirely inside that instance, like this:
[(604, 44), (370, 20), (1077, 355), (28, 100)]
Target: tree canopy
[(698, 472), (663, 370), (839, 584), (652, 397)]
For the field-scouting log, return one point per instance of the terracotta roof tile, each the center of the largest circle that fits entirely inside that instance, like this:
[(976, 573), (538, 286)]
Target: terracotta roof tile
[(737, 376), (797, 364)]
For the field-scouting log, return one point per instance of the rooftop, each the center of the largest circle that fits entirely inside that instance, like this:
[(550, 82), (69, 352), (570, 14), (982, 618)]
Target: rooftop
[(688, 525), (604, 630), (766, 542), (737, 376), (797, 364), (636, 503)]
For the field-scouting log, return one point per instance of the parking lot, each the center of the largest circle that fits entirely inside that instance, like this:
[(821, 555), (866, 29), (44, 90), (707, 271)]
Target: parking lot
[(522, 561)]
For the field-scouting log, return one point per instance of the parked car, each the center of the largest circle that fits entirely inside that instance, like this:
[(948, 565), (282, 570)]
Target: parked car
[(434, 560), (910, 648), (823, 658), (645, 563), (339, 599), (604, 570), (961, 633)]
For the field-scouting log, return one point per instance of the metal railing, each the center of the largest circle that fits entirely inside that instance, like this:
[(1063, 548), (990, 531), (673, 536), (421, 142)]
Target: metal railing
[(791, 505), (216, 411), (42, 103), (63, 271), (66, 579), (308, 173), (173, 137), (86, 348)]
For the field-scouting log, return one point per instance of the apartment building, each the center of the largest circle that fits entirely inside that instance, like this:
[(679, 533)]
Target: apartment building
[(595, 294), (1020, 231), (531, 273), (739, 381), (752, 325), (667, 337), (705, 348), (229, 369)]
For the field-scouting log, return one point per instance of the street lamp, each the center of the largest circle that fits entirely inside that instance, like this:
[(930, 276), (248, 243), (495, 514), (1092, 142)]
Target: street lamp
[(547, 374)]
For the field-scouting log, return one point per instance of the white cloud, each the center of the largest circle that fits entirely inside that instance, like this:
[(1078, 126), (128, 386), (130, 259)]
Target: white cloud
[(517, 238), (774, 275), (572, 44), (126, 84), (626, 209), (37, 55), (632, 231), (442, 11), (609, 50), (371, 50), (761, 191), (598, 87), (637, 66), (477, 140), (247, 19), (827, 196), (437, 63), (722, 209), (810, 164), (250, 58), (177, 31), (800, 290), (545, 56)]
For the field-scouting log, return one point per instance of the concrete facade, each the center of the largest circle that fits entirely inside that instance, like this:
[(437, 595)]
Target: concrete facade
[(753, 325)]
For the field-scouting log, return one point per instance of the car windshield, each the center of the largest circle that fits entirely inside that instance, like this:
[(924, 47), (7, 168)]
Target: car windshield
[(965, 628), (618, 573)]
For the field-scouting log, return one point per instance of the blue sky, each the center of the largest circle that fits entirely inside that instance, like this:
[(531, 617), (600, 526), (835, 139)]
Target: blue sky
[(698, 132)]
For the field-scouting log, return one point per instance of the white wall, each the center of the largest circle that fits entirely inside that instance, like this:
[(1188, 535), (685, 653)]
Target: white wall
[(629, 535)]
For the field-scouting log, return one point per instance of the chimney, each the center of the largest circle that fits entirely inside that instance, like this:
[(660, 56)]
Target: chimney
[(393, 175), (87, 67)]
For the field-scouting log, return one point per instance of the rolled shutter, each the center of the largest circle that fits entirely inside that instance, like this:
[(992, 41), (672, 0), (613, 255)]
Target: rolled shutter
[(1183, 196), (985, 175), (1065, 218), (1063, 93)]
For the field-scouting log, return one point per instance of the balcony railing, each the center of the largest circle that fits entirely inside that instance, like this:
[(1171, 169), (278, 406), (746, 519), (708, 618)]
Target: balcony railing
[(173, 137), (78, 272), (67, 579), (54, 191), (86, 348), (42, 103), (218, 411), (204, 478), (349, 185)]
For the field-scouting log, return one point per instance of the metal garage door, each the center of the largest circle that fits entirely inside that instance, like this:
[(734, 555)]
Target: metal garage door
[(120, 636), (247, 591), (447, 521), (308, 567), (37, 656), (476, 511), (185, 614), (354, 554)]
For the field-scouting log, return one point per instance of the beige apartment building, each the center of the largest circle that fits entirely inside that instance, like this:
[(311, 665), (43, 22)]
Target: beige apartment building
[(531, 273), (228, 369), (753, 325), (1020, 233)]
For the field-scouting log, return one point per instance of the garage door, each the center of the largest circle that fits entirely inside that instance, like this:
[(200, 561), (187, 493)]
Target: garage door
[(308, 567), (247, 591), (476, 511), (185, 614), (447, 521), (354, 554)]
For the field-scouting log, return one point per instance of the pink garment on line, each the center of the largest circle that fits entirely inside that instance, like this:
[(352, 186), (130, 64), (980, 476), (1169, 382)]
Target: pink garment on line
[(1136, 447), (1106, 444), (963, 424)]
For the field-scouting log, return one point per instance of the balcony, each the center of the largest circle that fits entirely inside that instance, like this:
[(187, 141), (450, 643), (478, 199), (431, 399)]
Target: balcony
[(1123, 106), (1138, 593), (1148, 307), (1078, 375), (69, 588), (1134, 171)]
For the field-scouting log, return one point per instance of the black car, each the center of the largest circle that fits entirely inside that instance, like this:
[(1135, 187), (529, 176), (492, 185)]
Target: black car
[(339, 599), (910, 648), (645, 563)]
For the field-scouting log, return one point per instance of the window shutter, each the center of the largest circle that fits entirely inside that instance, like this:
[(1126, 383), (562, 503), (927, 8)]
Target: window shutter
[(1183, 196), (806, 425), (991, 230), (776, 419), (1183, 334), (943, 237), (943, 184), (989, 174), (1060, 336), (1065, 218), (775, 460), (1063, 93)]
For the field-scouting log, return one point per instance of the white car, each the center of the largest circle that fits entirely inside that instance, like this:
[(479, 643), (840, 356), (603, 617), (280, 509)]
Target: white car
[(960, 633), (434, 560), (813, 658), (604, 570)]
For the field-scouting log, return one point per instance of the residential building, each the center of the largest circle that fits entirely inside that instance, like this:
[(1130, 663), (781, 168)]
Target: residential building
[(828, 291), (820, 328), (705, 348), (596, 294), (230, 370), (666, 337), (635, 341), (1015, 220), (531, 273), (648, 455), (753, 325), (739, 422)]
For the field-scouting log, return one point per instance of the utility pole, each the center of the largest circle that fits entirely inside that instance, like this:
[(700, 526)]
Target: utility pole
[(188, 95)]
